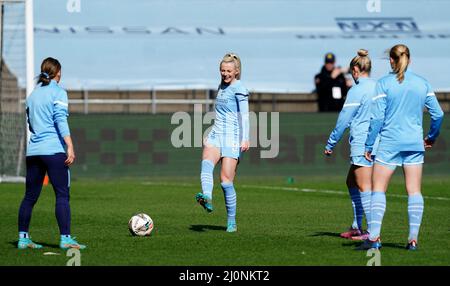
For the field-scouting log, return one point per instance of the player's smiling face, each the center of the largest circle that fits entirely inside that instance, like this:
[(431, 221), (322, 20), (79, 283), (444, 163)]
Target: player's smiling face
[(229, 72)]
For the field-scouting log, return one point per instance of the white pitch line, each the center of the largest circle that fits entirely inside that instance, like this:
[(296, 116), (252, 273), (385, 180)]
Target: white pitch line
[(51, 253), (292, 189), (168, 184), (332, 192)]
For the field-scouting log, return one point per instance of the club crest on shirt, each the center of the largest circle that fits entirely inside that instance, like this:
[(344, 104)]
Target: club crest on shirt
[(221, 99)]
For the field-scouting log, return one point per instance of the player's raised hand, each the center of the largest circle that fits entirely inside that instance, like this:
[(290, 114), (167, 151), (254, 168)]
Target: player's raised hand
[(245, 145), (328, 152), (427, 143)]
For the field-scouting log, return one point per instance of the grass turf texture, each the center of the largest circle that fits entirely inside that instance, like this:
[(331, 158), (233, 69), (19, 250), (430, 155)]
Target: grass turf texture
[(278, 224)]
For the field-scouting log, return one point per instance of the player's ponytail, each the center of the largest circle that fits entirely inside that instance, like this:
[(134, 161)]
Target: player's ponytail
[(362, 61), (400, 60), (49, 69), (233, 58)]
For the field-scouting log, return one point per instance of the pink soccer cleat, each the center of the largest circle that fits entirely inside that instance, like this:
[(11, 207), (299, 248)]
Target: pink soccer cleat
[(363, 236), (350, 233)]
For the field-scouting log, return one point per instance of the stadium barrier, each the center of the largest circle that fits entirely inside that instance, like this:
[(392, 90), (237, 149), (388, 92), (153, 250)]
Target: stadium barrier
[(115, 145)]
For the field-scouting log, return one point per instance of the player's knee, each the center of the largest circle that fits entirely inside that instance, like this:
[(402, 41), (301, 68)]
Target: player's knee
[(31, 200), (365, 186), (63, 197), (413, 190), (62, 201), (226, 177)]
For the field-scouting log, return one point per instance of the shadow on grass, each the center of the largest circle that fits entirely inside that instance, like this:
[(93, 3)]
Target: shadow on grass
[(357, 245), (326, 233), (202, 227), (47, 245)]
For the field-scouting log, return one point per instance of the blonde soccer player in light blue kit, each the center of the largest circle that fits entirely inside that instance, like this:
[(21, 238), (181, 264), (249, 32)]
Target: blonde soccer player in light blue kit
[(397, 114), (228, 138), (355, 115)]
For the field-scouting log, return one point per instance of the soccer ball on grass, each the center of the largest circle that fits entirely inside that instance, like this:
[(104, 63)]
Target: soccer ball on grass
[(140, 225)]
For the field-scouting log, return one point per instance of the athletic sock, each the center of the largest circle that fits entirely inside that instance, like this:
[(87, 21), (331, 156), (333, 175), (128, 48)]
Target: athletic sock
[(23, 234), (357, 208), (415, 212), (365, 201), (230, 201), (377, 209), (206, 177), (64, 236)]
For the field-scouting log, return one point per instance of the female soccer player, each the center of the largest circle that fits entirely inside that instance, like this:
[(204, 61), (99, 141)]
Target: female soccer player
[(50, 150), (355, 114), (228, 138), (397, 113)]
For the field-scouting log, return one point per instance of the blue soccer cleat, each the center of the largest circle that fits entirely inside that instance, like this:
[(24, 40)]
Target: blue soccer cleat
[(231, 227), (412, 245), (371, 244), (25, 243), (70, 242), (204, 201)]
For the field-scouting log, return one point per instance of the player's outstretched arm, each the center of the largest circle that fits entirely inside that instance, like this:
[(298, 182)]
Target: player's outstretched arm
[(346, 115)]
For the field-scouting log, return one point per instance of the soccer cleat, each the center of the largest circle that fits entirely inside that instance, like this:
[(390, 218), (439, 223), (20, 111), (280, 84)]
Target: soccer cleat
[(412, 245), (70, 242), (231, 227), (363, 236), (204, 201), (25, 243), (351, 232), (371, 244)]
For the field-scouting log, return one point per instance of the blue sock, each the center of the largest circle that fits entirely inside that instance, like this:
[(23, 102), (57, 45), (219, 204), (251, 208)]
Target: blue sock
[(415, 212), (377, 209), (365, 201), (230, 201), (23, 234), (206, 177), (357, 208)]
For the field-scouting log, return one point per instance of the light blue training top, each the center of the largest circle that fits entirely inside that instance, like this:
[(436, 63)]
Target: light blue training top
[(232, 112), (355, 114), (397, 113), (47, 112)]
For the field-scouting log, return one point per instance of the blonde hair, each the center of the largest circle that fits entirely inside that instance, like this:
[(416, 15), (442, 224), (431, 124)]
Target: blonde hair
[(233, 58), (362, 61), (400, 56)]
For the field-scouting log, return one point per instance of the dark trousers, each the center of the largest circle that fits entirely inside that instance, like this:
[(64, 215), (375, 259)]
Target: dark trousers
[(59, 176)]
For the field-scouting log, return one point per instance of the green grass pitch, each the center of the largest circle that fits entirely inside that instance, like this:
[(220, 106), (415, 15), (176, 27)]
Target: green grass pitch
[(279, 223)]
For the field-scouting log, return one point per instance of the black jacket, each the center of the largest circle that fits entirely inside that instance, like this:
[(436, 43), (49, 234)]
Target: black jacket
[(324, 90)]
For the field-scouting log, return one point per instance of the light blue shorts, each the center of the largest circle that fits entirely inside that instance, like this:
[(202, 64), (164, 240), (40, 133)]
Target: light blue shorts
[(229, 147), (361, 161), (399, 158)]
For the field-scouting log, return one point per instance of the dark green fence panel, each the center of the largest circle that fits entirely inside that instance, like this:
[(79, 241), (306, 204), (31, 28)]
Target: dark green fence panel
[(117, 145)]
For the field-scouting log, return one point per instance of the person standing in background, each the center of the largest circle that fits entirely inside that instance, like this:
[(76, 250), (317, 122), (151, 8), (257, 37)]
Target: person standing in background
[(331, 85)]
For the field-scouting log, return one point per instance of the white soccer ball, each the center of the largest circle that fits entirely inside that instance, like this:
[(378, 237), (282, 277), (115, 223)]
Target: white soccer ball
[(140, 225)]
